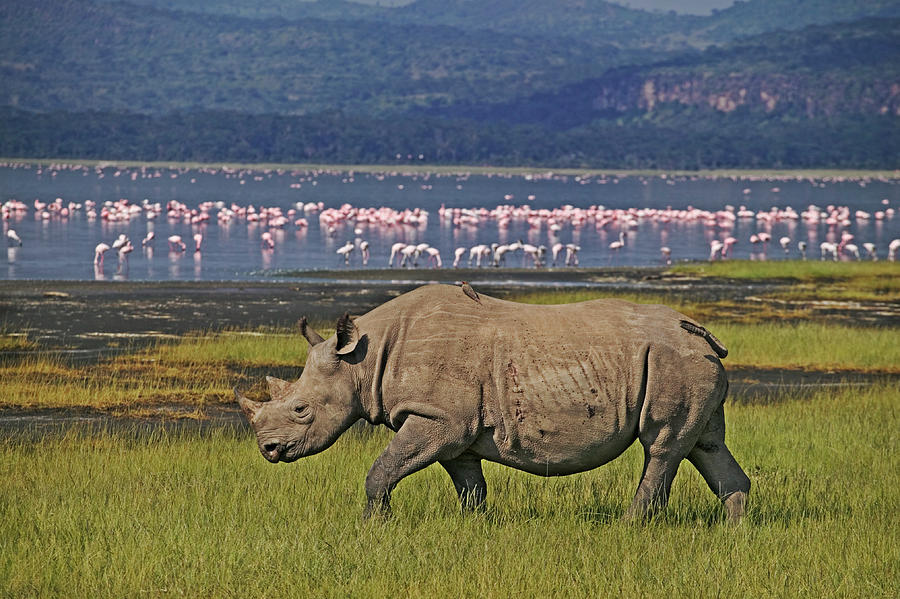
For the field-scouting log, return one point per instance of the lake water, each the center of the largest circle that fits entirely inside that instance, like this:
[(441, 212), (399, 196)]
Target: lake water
[(62, 247)]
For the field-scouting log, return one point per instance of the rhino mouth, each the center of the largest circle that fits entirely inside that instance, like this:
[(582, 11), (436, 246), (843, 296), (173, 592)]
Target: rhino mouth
[(280, 452)]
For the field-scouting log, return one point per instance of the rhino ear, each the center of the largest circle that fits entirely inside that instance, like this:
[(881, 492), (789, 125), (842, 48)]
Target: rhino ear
[(347, 335), (313, 337), (277, 387)]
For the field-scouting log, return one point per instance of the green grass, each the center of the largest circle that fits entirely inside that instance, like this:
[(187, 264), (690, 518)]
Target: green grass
[(15, 342), (197, 369), (813, 279), (172, 514), (811, 346)]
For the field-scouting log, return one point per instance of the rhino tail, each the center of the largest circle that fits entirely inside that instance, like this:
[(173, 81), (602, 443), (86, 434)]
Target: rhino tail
[(696, 329)]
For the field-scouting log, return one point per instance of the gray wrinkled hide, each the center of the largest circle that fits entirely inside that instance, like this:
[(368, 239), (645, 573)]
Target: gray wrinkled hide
[(550, 390)]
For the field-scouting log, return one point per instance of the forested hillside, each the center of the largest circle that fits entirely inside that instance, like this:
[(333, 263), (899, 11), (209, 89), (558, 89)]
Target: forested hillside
[(76, 55), (253, 81), (592, 21)]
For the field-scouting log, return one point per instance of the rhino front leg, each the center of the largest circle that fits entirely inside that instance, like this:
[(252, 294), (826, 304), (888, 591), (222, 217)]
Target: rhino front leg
[(419, 442), (465, 472)]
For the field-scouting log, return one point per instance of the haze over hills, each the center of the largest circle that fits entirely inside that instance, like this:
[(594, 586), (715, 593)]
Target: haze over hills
[(568, 83)]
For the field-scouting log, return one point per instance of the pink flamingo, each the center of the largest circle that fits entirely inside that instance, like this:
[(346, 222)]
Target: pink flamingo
[(148, 240), (345, 251), (101, 249), (572, 253), (726, 247), (12, 236), (892, 249), (396, 250), (666, 252), (364, 250), (198, 239), (176, 244), (434, 256), (266, 240), (870, 250), (457, 256), (555, 249)]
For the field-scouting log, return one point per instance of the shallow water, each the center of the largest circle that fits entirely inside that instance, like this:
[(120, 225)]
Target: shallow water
[(59, 247)]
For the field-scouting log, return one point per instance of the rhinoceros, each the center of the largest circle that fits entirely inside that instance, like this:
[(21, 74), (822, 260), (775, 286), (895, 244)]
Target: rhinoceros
[(550, 390)]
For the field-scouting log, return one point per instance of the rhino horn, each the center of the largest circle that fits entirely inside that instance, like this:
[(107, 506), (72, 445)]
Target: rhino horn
[(277, 387), (248, 406), (313, 337), (347, 335)]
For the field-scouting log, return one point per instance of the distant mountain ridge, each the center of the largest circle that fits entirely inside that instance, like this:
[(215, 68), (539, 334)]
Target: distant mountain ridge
[(122, 80), (591, 21), (76, 55)]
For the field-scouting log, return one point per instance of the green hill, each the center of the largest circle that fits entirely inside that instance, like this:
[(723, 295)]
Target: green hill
[(114, 80), (75, 55)]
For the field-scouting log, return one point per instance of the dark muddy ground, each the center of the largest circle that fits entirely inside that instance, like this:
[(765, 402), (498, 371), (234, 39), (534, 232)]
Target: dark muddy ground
[(87, 320)]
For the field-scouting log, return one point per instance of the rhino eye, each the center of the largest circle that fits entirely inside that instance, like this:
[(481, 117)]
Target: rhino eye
[(302, 410)]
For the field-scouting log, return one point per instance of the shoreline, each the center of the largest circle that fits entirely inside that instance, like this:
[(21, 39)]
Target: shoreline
[(740, 173)]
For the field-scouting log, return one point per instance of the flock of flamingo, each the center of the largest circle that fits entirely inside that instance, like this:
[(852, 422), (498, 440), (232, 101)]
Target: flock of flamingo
[(333, 221), (541, 243)]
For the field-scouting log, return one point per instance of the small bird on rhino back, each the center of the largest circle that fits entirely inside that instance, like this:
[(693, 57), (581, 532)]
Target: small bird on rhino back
[(467, 289)]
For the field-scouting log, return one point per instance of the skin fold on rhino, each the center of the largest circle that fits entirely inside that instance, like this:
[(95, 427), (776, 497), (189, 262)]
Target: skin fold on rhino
[(550, 390)]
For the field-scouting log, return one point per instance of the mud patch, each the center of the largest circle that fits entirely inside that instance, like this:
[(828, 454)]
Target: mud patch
[(755, 385)]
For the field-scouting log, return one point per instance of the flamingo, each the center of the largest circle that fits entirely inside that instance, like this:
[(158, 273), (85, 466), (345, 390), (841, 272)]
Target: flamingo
[(345, 251), (715, 246), (726, 247), (666, 252), (101, 249), (827, 247), (852, 249), (615, 246), (801, 245), (120, 242), (124, 250), (458, 254), (13, 237), (407, 254), (434, 256), (785, 243), (572, 253), (870, 250), (893, 246), (396, 250), (364, 250), (265, 240), (475, 254), (555, 249), (176, 244), (198, 239), (148, 240)]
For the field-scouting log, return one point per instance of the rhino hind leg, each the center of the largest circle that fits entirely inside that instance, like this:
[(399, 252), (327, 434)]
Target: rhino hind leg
[(468, 479), (652, 494), (719, 468)]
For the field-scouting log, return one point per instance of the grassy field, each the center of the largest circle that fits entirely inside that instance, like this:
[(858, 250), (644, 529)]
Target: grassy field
[(183, 514), (811, 279)]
